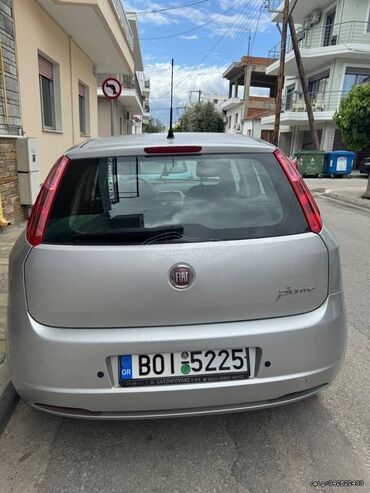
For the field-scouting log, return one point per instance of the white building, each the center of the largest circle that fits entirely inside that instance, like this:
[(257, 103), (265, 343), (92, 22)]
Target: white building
[(216, 98), (335, 47)]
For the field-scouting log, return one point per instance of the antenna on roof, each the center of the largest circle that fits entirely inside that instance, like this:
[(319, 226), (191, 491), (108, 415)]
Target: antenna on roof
[(171, 135)]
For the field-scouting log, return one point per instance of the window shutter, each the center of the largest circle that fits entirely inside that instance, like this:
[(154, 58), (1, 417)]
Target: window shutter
[(45, 68), (81, 90)]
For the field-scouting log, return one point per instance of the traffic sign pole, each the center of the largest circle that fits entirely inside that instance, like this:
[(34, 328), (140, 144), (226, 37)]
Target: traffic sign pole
[(112, 89)]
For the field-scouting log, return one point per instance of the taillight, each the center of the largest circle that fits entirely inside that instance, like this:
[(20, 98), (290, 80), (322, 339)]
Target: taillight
[(171, 149), (307, 202), (41, 210)]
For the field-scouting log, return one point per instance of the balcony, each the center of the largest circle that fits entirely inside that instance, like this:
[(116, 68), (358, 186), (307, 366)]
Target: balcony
[(301, 9), (100, 28), (146, 87), (231, 103), (319, 46), (146, 114), (294, 112)]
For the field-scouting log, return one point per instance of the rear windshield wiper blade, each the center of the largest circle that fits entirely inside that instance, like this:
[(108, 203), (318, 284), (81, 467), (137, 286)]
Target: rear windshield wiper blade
[(129, 234)]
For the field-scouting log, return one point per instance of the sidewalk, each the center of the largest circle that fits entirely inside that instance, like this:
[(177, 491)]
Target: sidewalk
[(8, 396), (346, 191)]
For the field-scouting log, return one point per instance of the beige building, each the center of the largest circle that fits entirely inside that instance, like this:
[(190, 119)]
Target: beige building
[(128, 113), (54, 53)]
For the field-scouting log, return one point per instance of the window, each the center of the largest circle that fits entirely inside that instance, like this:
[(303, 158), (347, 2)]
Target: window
[(368, 21), (289, 97), (317, 86), (328, 29), (318, 83), (229, 124), (236, 118), (47, 93), (83, 106), (167, 199), (355, 76)]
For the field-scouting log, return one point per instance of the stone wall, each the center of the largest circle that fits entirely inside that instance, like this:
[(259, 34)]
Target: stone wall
[(9, 189), (10, 121)]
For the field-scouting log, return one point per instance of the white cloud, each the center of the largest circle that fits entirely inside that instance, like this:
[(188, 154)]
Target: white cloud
[(186, 78), (189, 37), (238, 20)]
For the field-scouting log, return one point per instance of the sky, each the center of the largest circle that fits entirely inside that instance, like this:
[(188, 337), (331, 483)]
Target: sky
[(203, 38)]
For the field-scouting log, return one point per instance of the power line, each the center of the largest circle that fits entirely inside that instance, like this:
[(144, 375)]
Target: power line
[(230, 48), (244, 21), (170, 8), (194, 28), (222, 37), (258, 22)]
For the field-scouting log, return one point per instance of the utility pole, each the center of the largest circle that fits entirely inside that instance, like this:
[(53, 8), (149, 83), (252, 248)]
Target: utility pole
[(280, 81), (307, 99), (199, 92), (249, 43)]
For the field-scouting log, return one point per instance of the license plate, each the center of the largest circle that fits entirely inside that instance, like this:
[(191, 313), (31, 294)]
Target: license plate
[(184, 367)]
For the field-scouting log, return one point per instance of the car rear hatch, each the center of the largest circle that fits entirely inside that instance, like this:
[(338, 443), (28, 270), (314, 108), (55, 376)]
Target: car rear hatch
[(115, 227)]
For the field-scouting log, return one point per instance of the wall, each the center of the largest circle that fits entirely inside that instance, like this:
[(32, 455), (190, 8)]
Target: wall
[(11, 124), (252, 128), (232, 112), (104, 118), (9, 191), (36, 30), (352, 10)]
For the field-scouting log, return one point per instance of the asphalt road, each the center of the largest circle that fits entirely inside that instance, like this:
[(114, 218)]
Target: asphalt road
[(276, 450)]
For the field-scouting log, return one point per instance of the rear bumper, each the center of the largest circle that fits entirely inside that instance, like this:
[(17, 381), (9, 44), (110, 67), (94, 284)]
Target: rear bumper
[(56, 369)]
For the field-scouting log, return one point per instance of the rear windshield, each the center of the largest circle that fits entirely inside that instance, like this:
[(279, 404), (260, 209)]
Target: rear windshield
[(137, 200)]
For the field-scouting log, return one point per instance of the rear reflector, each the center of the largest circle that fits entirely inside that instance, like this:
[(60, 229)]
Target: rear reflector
[(41, 210), (307, 202), (170, 149)]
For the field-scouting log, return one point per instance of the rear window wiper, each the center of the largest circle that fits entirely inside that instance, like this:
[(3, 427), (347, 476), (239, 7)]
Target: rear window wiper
[(129, 235)]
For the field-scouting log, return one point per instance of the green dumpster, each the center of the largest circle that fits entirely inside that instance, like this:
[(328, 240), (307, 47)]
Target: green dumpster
[(310, 163)]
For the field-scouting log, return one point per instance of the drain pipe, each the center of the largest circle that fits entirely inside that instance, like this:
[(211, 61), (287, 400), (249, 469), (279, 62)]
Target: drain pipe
[(3, 83)]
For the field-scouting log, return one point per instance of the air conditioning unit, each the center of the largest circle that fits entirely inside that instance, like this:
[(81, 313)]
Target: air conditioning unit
[(306, 22), (315, 17)]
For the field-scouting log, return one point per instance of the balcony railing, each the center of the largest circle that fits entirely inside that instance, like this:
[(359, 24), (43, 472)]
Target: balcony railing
[(317, 37), (131, 82), (321, 101), (147, 83), (120, 11)]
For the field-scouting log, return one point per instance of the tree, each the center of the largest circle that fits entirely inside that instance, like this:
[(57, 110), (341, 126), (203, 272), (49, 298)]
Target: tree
[(201, 117), (353, 118), (155, 125)]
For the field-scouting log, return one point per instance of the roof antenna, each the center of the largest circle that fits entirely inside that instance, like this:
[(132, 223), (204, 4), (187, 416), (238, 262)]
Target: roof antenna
[(171, 135)]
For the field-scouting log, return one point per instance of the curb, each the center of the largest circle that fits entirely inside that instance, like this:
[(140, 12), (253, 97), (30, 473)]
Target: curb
[(8, 401), (362, 204)]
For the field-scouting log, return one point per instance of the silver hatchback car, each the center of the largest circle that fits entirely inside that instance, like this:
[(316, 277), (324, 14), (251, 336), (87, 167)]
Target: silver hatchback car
[(179, 277)]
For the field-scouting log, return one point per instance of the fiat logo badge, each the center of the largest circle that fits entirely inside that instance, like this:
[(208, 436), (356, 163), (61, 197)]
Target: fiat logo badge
[(181, 276)]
